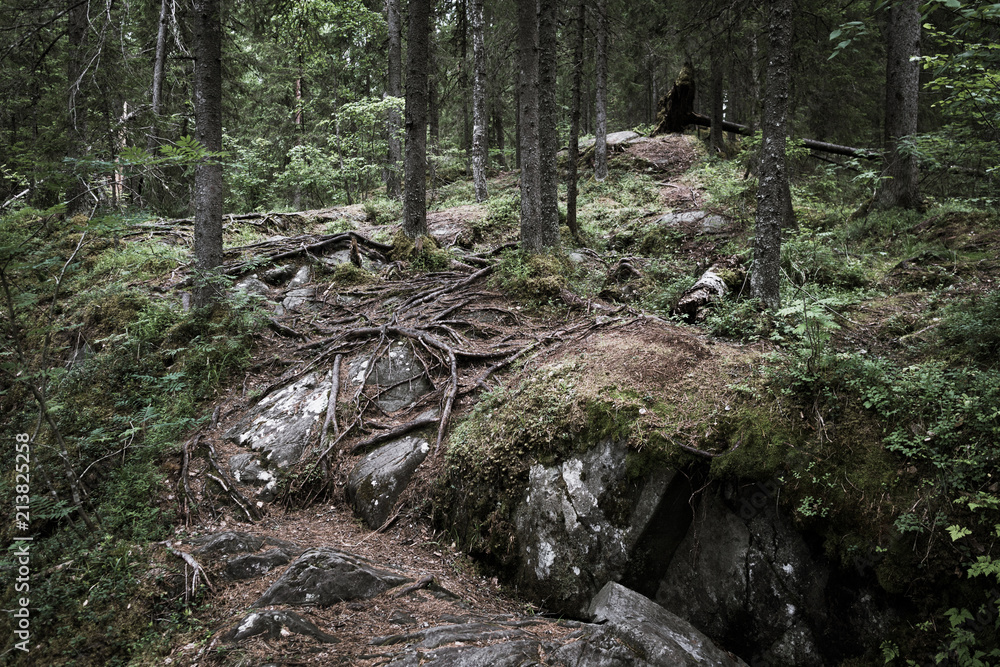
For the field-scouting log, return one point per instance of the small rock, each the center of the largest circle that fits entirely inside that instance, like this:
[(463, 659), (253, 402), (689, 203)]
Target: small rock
[(229, 542), (301, 278), (323, 576), (275, 624), (255, 565)]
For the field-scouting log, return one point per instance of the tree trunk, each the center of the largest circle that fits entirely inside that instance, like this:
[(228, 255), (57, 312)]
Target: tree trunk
[(208, 174), (771, 202), (527, 42), (574, 125), (479, 114), (498, 131), (715, 138), (548, 134), (902, 83), (415, 191), (76, 135), (394, 88), (160, 61), (601, 110)]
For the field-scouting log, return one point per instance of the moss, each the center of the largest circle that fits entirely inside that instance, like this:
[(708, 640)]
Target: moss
[(347, 274), (423, 253), (533, 278)]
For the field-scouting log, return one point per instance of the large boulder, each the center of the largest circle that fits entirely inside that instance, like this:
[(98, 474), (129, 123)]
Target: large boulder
[(746, 577), (323, 576), (398, 373), (285, 422), (584, 523), (378, 479), (662, 638)]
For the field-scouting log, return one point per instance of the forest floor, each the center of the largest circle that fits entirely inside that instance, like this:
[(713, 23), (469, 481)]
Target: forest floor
[(874, 294), (481, 319)]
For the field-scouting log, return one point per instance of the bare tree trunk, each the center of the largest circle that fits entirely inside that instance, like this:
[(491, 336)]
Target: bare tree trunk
[(548, 134), (208, 174), (574, 126), (498, 132), (479, 115), (394, 88), (527, 42), (716, 138), (771, 201), (601, 111), (899, 186), (76, 135), (415, 191), (159, 62)]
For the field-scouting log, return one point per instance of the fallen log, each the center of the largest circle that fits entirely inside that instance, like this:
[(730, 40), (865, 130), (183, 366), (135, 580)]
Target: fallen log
[(710, 287), (812, 144)]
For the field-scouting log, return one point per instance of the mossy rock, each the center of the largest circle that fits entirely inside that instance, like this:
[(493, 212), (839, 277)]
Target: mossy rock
[(348, 275), (422, 253)]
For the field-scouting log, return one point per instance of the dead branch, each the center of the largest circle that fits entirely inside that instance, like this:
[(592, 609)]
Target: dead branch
[(424, 582), (199, 571)]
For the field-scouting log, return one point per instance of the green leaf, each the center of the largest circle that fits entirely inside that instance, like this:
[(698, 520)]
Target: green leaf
[(958, 532)]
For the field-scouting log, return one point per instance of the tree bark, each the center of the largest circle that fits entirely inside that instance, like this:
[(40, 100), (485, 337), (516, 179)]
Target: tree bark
[(715, 138), (208, 174), (76, 105), (548, 134), (574, 125), (498, 132), (601, 110), (415, 192), (479, 115), (527, 42), (771, 202), (902, 83), (394, 88)]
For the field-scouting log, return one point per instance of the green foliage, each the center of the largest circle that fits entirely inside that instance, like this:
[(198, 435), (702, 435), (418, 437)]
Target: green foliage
[(739, 319), (531, 277), (381, 211), (973, 327)]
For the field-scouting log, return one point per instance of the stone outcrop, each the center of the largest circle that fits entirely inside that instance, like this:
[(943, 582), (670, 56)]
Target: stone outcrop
[(323, 576), (398, 373), (377, 480), (584, 523), (284, 423), (661, 637)]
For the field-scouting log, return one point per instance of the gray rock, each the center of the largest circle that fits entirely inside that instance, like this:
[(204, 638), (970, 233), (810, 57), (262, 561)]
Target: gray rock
[(254, 565), (251, 285), (279, 274), (707, 223), (522, 653), (732, 577), (576, 258), (378, 479), (613, 139), (229, 542), (285, 421), (246, 469), (399, 371), (401, 618), (323, 576), (598, 646), (662, 638), (440, 635), (297, 299), (275, 624), (302, 276), (584, 523)]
